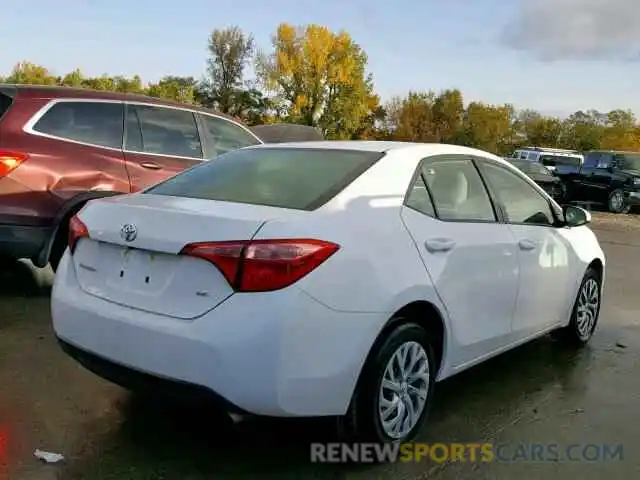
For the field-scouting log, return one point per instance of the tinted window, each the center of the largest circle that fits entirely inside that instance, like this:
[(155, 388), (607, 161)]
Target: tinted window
[(95, 123), (419, 199), (225, 135), (553, 160), (5, 103), (591, 159), (628, 161), (604, 161), (457, 190), (164, 131), (522, 203), (301, 179)]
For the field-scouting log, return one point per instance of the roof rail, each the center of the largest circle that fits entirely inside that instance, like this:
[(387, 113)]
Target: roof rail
[(548, 149)]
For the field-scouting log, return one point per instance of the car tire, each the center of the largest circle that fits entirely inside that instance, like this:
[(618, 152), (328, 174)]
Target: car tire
[(376, 396), (616, 202), (585, 313)]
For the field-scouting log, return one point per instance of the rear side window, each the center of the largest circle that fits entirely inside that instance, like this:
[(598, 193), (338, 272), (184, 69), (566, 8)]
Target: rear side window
[(301, 179), (94, 123), (5, 103), (162, 131), (226, 136)]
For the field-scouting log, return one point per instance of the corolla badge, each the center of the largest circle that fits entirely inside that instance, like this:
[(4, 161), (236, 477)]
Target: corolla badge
[(129, 232)]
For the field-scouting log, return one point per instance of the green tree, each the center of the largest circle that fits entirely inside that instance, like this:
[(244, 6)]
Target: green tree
[(178, 89), (230, 50), (30, 73)]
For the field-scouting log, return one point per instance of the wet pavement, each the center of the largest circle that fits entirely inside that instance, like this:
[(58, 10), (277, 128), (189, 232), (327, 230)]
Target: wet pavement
[(540, 393)]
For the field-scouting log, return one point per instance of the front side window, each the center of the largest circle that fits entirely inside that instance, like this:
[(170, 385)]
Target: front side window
[(162, 131), (521, 201), (300, 179), (94, 123), (225, 135), (457, 190)]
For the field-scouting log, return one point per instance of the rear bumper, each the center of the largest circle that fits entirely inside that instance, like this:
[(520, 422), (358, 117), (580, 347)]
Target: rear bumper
[(275, 354), (19, 241)]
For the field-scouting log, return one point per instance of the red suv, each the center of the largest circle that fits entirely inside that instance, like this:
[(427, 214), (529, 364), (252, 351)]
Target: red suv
[(60, 147)]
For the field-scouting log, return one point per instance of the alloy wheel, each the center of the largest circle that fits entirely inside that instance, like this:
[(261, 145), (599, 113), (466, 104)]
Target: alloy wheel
[(587, 308), (404, 390)]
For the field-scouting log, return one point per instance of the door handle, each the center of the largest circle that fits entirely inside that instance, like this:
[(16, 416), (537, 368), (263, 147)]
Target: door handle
[(527, 244), (151, 166), (439, 245)]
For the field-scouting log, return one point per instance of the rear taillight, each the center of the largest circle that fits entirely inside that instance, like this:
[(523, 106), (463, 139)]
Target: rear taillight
[(263, 265), (9, 161), (77, 230)]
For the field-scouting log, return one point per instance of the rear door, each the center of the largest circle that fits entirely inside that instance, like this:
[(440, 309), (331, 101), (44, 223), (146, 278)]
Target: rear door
[(159, 143), (470, 256)]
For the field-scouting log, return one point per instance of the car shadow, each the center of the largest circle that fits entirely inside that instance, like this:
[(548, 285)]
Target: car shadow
[(22, 278), (154, 439)]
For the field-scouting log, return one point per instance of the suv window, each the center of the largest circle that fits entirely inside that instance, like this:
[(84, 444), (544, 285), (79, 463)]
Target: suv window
[(522, 203), (301, 179), (94, 123), (163, 131), (5, 103), (457, 190), (225, 135)]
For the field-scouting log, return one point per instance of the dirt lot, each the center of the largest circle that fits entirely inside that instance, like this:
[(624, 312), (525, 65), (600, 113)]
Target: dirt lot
[(540, 393)]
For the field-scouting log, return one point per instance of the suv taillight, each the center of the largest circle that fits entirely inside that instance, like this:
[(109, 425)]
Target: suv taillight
[(77, 230), (9, 161), (263, 265)]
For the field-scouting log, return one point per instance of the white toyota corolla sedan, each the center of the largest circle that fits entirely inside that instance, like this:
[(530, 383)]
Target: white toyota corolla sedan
[(324, 279)]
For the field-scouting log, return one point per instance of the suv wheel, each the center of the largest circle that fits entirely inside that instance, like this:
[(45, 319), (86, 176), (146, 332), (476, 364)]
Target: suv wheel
[(617, 203)]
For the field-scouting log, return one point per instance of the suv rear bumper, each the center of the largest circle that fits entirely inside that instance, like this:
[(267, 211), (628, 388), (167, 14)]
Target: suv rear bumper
[(20, 241)]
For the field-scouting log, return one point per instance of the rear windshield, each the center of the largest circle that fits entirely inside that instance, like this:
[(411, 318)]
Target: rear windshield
[(300, 179)]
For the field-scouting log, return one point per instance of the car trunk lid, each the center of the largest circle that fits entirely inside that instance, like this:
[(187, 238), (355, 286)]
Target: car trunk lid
[(145, 270)]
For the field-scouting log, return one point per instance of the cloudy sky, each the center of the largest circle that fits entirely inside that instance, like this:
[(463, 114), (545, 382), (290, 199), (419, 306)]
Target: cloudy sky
[(553, 55)]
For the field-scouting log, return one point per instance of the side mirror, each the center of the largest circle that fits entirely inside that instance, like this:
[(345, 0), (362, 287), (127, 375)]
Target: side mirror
[(575, 216)]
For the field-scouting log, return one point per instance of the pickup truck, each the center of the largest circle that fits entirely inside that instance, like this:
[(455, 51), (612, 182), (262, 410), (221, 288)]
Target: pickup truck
[(608, 178)]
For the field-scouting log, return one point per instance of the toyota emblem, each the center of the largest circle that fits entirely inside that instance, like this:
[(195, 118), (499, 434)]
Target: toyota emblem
[(129, 232)]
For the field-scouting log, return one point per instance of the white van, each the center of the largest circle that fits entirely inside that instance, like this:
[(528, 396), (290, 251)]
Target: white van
[(549, 157)]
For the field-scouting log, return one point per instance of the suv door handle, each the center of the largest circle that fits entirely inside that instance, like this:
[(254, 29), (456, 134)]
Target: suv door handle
[(434, 245), (527, 244), (151, 166)]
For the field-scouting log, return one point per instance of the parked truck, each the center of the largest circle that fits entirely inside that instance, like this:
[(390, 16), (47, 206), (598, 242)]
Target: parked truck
[(608, 178)]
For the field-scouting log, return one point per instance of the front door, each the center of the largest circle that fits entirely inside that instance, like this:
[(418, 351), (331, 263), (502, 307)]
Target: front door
[(470, 257), (160, 142), (544, 255)]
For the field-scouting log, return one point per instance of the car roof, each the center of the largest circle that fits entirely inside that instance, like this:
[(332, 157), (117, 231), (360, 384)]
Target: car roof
[(56, 91), (382, 147)]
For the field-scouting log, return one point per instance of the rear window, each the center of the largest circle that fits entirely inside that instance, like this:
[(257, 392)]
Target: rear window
[(300, 179), (93, 123), (5, 103)]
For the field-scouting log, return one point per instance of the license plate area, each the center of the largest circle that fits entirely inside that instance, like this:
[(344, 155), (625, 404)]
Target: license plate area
[(139, 270)]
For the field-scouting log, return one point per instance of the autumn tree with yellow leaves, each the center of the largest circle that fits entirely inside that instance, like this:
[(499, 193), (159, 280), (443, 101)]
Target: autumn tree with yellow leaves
[(320, 77)]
